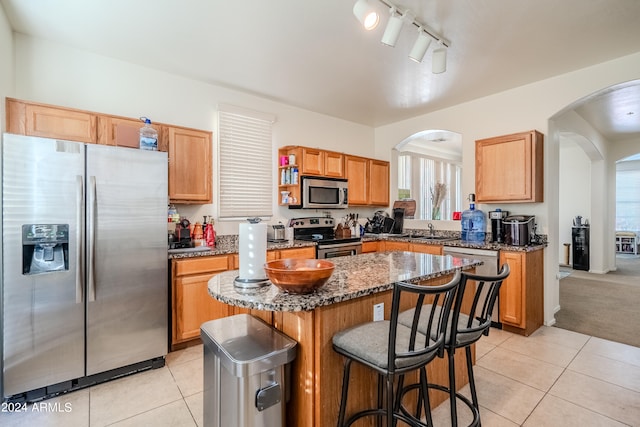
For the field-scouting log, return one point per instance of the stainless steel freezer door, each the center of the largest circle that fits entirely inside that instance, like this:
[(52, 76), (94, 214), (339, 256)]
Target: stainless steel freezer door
[(43, 331), (127, 318)]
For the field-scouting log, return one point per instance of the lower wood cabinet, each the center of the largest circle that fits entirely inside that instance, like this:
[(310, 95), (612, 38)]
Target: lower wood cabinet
[(521, 295), (308, 252), (368, 247), (426, 248), (391, 245), (191, 304)]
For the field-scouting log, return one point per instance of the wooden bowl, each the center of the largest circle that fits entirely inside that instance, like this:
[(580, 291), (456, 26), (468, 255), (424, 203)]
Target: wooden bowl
[(299, 276)]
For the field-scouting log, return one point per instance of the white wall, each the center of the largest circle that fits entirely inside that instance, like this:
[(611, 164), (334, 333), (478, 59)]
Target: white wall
[(524, 108), (55, 74), (574, 178), (6, 65)]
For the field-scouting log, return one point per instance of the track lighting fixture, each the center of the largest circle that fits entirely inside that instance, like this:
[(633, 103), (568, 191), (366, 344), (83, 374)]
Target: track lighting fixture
[(365, 13), (369, 18), (420, 46), (392, 32), (439, 60)]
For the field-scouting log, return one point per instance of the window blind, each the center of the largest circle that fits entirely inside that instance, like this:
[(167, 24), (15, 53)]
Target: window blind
[(246, 183)]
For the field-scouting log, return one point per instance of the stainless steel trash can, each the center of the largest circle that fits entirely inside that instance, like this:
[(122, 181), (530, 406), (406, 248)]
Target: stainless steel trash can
[(245, 369)]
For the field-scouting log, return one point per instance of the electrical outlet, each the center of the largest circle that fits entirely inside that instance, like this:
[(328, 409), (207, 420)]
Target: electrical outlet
[(378, 312)]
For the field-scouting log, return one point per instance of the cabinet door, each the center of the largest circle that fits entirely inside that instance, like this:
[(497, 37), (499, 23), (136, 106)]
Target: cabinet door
[(390, 245), (333, 164), (510, 168), (271, 255), (312, 161), (512, 293), (194, 306), (301, 253), (426, 249), (190, 162), (378, 183), (356, 170), (368, 247), (123, 132), (58, 123)]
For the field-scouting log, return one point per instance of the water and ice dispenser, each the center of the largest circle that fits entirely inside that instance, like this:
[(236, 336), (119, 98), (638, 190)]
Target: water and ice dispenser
[(45, 248)]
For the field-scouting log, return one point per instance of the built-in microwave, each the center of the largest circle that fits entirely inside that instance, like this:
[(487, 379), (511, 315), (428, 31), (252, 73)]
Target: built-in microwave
[(324, 193)]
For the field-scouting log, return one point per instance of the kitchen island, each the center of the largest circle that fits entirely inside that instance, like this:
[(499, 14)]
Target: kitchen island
[(357, 284)]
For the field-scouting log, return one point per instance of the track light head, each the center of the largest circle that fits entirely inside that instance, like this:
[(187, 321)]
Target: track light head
[(392, 32), (367, 16), (420, 46), (439, 60)]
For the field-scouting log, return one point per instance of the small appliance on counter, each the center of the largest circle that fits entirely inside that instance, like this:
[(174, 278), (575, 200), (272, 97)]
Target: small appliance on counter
[(398, 221), (381, 223), (182, 235), (497, 232), (276, 233), (518, 229)]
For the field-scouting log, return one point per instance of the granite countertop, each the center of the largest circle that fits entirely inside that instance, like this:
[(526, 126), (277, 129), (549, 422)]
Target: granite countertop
[(452, 239), (229, 244), (353, 277)]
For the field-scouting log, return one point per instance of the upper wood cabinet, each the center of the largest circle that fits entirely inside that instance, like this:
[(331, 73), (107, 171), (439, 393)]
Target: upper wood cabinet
[(312, 162), (356, 171), (322, 163), (190, 163), (190, 150), (333, 164), (368, 181), (378, 183), (125, 132), (50, 122), (510, 168)]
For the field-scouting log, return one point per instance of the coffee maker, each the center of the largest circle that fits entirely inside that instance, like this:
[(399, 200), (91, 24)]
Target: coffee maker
[(496, 217), (398, 221), (182, 235)]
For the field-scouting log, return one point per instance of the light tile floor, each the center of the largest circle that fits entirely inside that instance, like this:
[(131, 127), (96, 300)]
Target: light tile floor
[(554, 378)]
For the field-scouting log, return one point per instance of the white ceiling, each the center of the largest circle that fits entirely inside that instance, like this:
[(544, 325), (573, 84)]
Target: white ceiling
[(315, 54)]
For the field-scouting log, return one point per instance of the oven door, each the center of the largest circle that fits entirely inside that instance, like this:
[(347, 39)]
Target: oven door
[(337, 250)]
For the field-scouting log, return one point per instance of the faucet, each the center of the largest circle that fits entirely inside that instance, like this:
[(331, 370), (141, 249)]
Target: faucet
[(431, 231)]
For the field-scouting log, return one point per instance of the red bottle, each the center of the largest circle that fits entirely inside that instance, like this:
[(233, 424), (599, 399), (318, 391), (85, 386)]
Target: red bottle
[(210, 235)]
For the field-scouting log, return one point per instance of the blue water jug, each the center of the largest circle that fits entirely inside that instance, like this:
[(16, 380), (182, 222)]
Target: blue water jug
[(473, 223)]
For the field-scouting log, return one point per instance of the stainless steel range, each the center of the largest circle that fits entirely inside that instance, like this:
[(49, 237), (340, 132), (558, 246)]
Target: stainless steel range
[(322, 231)]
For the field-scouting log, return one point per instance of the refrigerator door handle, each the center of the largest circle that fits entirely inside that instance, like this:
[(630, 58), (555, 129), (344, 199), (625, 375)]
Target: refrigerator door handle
[(92, 238), (79, 240)]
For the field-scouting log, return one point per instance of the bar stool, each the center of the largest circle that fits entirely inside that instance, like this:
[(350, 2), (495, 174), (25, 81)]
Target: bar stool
[(463, 330), (392, 350)]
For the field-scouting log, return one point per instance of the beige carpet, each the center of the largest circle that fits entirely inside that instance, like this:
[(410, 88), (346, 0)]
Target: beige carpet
[(603, 305)]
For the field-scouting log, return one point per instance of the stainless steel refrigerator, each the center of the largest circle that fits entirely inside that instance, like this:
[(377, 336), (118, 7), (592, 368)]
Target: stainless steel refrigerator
[(84, 264)]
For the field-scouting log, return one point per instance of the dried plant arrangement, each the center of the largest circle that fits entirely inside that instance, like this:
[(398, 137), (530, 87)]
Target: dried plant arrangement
[(438, 193)]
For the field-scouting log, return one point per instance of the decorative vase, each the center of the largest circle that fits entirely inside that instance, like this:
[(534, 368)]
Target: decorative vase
[(435, 213)]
